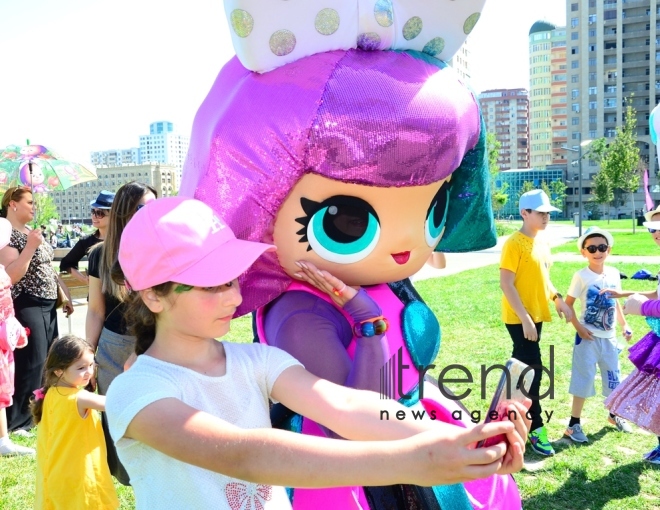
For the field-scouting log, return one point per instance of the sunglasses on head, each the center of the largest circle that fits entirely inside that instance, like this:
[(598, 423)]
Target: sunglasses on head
[(593, 249), (100, 213)]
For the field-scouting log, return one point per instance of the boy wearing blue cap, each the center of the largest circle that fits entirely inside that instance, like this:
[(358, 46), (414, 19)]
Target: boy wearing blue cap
[(525, 282)]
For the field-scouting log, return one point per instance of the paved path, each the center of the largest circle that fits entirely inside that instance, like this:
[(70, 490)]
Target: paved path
[(456, 262)]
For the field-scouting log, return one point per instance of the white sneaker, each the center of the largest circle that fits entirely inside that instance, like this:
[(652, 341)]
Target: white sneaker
[(620, 424), (15, 449)]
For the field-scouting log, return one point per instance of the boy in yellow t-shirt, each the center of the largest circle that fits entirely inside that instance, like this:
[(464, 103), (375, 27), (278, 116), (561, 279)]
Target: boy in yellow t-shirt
[(525, 282)]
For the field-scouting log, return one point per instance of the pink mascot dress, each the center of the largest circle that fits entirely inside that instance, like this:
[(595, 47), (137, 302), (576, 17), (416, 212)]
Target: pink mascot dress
[(341, 136)]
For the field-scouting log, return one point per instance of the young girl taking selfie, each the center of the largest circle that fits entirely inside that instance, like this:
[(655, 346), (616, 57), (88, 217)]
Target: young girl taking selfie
[(190, 418)]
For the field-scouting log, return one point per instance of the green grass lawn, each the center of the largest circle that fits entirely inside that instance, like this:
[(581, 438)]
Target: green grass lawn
[(625, 243), (612, 224), (605, 474)]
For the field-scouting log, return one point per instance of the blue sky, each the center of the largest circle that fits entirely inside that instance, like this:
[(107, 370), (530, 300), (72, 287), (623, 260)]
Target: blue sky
[(83, 75)]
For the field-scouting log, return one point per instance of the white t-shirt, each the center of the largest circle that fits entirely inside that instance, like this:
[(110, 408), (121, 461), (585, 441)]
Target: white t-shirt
[(598, 311), (239, 397)]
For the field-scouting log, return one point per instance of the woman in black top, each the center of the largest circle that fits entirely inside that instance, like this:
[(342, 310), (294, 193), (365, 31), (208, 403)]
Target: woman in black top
[(35, 285), (100, 212), (105, 328)]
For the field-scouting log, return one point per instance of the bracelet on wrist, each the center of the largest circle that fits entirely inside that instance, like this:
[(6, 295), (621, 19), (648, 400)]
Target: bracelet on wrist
[(556, 296), (371, 327)]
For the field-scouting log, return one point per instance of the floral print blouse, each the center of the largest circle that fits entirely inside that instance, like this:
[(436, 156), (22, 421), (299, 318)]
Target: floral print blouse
[(40, 279)]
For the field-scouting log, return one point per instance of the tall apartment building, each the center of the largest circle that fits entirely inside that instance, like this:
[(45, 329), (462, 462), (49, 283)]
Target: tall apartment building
[(547, 94), (162, 145), (461, 62), (506, 112), (73, 203), (612, 58), (116, 157)]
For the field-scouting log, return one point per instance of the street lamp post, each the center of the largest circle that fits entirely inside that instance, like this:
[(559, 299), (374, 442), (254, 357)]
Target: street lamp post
[(579, 151)]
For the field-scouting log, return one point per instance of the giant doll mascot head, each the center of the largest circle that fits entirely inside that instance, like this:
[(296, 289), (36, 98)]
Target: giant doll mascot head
[(341, 136)]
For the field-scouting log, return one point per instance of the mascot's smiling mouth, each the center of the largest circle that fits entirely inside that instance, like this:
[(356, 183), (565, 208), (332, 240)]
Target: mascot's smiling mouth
[(401, 258)]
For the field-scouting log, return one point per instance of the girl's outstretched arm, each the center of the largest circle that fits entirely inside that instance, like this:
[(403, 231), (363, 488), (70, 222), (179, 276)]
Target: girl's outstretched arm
[(88, 400), (283, 458), (356, 414)]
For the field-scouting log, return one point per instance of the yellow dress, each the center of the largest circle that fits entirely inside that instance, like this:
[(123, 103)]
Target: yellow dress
[(72, 469)]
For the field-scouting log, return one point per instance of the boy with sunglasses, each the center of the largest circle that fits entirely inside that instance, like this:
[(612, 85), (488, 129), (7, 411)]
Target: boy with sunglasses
[(525, 282), (595, 338)]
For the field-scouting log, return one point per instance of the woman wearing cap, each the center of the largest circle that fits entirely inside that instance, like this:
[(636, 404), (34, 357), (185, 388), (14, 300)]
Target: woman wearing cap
[(105, 328), (100, 212), (35, 286)]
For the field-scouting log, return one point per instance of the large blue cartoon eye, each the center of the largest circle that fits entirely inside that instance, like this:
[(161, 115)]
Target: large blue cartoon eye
[(434, 226), (341, 229)]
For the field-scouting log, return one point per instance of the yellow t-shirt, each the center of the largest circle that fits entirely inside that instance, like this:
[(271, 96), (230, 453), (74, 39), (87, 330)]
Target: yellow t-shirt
[(529, 259)]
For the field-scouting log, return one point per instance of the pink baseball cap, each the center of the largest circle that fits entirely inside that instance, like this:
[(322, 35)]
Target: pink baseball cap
[(182, 240)]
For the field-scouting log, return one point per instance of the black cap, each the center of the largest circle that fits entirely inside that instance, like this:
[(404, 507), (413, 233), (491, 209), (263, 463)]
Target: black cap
[(103, 201)]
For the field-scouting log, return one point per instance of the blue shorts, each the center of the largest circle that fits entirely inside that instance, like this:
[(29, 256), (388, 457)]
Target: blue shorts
[(586, 355)]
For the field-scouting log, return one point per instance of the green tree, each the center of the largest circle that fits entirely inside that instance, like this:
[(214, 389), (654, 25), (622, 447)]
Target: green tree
[(494, 147), (526, 186), (601, 192), (45, 209), (556, 191), (499, 194), (620, 160), (593, 207)]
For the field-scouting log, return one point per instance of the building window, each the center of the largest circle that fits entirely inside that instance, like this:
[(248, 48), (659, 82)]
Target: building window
[(574, 36), (575, 107), (592, 32), (592, 91), (592, 77), (611, 14), (575, 121), (574, 22), (575, 64), (574, 50), (592, 62), (593, 105), (574, 7), (592, 119), (575, 93), (575, 78)]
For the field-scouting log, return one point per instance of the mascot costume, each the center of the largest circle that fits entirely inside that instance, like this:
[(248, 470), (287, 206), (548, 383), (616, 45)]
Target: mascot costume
[(340, 135)]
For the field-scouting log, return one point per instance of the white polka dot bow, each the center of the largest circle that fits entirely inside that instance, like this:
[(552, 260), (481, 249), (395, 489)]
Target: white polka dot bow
[(270, 33)]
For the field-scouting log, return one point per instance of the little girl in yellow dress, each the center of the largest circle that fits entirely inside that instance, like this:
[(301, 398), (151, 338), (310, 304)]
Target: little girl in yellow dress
[(72, 469)]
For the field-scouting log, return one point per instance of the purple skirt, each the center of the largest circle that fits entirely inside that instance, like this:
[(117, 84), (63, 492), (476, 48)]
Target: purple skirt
[(637, 398), (645, 354)]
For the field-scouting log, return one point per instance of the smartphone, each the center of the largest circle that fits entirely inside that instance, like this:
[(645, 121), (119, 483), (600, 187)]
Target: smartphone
[(521, 376)]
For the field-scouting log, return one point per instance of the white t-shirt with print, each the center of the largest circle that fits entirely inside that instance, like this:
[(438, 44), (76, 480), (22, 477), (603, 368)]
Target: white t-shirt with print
[(239, 397), (598, 311)]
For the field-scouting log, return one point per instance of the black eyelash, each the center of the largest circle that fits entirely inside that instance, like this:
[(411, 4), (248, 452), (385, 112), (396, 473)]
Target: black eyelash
[(309, 208)]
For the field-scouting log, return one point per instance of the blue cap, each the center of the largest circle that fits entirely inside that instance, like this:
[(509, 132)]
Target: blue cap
[(103, 201)]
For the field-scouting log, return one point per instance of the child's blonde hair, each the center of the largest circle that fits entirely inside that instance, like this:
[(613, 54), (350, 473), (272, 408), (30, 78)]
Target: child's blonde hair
[(64, 352)]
